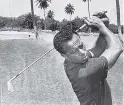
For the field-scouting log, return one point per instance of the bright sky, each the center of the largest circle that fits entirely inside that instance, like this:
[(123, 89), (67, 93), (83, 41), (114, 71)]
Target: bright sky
[(14, 8)]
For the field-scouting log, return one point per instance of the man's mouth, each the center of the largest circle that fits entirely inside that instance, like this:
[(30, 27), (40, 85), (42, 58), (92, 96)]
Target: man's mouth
[(81, 46), (83, 53)]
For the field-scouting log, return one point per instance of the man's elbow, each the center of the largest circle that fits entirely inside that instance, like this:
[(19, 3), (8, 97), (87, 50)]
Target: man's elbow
[(117, 48), (115, 57), (121, 50)]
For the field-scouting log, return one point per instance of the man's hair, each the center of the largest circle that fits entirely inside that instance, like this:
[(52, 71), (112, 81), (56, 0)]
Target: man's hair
[(62, 36)]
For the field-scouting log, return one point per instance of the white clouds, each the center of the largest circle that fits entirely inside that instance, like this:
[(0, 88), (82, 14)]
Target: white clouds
[(13, 8), (18, 7)]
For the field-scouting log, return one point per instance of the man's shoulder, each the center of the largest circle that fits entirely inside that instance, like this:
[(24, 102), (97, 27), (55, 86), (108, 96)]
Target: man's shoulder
[(70, 65), (97, 60), (91, 61)]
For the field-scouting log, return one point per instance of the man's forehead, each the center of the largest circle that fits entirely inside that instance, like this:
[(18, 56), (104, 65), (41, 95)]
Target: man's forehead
[(67, 45), (75, 39)]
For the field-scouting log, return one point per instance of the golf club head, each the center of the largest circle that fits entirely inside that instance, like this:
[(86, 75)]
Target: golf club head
[(9, 86)]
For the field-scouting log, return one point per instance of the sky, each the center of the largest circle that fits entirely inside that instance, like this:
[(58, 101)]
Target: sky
[(15, 8)]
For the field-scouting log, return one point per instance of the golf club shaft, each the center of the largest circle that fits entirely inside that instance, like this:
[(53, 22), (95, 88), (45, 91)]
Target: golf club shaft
[(31, 64), (39, 58)]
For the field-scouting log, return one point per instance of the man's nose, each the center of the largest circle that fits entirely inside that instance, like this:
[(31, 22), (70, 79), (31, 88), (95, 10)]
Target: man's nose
[(82, 51)]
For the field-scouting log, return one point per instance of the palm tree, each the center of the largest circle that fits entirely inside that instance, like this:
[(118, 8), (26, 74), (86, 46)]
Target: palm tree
[(43, 4), (33, 19), (69, 9), (88, 1), (118, 19), (50, 14)]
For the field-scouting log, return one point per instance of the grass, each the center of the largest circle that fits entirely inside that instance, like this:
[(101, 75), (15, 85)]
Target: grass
[(45, 83)]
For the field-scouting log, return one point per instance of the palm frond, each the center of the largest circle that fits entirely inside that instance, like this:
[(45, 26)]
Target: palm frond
[(42, 3), (84, 0), (50, 14), (69, 9)]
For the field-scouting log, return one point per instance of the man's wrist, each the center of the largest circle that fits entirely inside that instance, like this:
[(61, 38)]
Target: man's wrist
[(102, 28)]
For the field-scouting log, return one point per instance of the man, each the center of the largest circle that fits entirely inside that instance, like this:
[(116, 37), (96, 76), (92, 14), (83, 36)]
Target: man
[(87, 70)]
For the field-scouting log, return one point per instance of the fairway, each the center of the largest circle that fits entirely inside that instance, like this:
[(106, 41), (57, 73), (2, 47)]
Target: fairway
[(44, 83)]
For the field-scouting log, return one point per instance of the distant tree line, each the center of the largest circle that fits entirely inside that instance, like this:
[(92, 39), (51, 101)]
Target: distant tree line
[(25, 22)]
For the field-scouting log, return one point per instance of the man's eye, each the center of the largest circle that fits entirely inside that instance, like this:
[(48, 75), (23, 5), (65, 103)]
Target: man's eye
[(72, 52)]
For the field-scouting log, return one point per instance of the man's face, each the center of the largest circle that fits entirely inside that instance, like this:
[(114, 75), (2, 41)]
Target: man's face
[(75, 50)]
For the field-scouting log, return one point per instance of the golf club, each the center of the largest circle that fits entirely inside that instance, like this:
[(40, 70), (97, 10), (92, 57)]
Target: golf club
[(9, 85)]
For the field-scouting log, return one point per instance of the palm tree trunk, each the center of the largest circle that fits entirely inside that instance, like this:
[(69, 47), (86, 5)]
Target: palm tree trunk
[(34, 22), (89, 30), (88, 8), (118, 20), (70, 17), (70, 21), (44, 20)]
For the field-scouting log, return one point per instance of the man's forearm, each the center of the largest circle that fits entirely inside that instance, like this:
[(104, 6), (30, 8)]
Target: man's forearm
[(100, 46), (114, 49), (111, 39)]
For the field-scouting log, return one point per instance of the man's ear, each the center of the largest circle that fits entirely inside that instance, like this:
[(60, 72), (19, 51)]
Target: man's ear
[(65, 56)]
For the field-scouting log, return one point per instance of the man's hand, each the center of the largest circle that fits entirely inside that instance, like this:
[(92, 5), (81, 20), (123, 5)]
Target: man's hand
[(100, 44), (102, 15), (94, 21)]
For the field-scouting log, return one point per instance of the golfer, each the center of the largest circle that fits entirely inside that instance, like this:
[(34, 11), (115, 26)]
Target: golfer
[(87, 69)]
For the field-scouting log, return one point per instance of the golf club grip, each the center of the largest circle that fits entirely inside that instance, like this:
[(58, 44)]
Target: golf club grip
[(81, 27)]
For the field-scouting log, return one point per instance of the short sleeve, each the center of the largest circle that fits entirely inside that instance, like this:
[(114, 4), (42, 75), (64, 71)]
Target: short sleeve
[(90, 54), (95, 70)]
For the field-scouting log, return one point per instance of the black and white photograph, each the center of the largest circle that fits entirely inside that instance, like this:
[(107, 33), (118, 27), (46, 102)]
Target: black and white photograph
[(61, 52)]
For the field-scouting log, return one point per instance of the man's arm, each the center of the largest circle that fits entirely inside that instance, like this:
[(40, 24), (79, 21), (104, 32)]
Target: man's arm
[(100, 47), (96, 68), (100, 44), (114, 47)]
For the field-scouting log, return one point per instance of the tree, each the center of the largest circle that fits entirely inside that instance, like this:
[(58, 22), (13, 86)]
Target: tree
[(43, 4), (118, 20), (33, 19), (53, 26), (50, 14), (69, 26), (88, 1), (62, 23), (79, 21), (26, 20), (40, 24), (2, 22), (69, 9)]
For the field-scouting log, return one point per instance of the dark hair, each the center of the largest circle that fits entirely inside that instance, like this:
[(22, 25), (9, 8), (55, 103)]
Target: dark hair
[(62, 36)]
